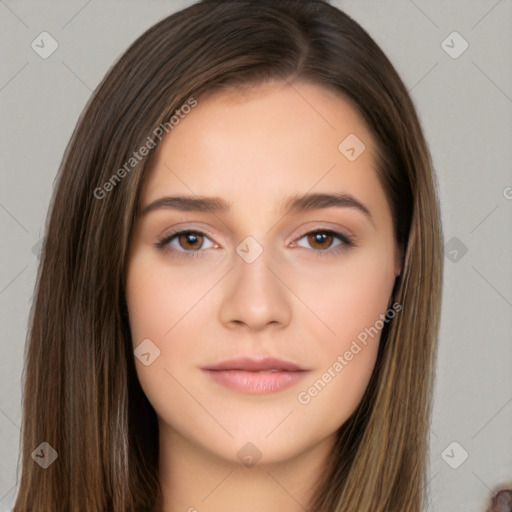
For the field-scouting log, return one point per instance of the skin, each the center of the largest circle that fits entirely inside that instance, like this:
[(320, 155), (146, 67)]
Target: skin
[(253, 148)]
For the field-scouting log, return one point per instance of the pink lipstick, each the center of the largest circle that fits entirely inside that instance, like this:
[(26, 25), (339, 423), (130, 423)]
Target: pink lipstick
[(256, 376)]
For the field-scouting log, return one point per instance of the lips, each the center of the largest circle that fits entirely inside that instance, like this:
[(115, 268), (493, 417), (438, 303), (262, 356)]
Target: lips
[(255, 376), (247, 364)]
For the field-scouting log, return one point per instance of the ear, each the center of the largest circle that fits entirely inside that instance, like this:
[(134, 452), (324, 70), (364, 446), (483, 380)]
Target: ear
[(393, 292), (398, 261), (397, 271)]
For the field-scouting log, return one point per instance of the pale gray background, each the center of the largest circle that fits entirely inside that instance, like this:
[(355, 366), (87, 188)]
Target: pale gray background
[(465, 106)]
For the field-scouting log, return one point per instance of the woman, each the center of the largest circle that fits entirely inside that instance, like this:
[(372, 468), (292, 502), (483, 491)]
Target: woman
[(239, 293)]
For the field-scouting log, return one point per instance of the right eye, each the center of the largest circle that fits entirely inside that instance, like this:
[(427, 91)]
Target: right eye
[(183, 242)]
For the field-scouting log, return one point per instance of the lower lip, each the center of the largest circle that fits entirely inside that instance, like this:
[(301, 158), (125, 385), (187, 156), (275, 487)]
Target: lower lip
[(256, 382)]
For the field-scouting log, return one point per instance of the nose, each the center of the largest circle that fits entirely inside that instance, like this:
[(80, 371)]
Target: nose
[(255, 294)]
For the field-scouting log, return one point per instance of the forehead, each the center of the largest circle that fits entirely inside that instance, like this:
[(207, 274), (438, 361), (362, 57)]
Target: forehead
[(264, 141)]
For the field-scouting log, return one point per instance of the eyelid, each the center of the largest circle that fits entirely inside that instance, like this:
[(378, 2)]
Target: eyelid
[(185, 227), (319, 226)]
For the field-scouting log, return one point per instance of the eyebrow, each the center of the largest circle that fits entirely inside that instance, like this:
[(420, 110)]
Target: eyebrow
[(293, 204)]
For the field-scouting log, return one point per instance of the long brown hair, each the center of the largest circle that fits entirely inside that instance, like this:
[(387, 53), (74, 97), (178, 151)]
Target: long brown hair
[(81, 394)]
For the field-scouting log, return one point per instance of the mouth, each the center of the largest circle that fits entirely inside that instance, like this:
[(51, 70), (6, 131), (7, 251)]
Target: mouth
[(255, 376)]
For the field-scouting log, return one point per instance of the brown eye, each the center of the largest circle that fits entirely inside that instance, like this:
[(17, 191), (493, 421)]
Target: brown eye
[(320, 239), (325, 241), (190, 240), (185, 243)]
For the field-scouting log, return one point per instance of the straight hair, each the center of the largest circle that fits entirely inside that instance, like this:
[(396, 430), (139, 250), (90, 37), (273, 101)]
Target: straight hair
[(80, 390)]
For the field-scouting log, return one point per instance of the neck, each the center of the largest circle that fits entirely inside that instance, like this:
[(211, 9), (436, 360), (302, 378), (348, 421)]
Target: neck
[(194, 479)]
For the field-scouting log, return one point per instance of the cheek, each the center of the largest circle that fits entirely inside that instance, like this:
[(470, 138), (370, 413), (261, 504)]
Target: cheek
[(155, 308), (158, 303), (347, 299), (351, 303), (159, 299)]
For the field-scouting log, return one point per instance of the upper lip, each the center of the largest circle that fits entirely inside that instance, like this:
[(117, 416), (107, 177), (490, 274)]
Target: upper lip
[(252, 364)]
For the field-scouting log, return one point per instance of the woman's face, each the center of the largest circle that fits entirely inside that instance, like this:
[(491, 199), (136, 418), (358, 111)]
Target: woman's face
[(260, 322)]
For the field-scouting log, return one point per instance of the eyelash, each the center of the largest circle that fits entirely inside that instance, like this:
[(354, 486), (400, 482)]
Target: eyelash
[(163, 243)]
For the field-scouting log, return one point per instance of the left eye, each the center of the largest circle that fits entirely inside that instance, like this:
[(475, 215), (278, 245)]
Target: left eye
[(322, 240)]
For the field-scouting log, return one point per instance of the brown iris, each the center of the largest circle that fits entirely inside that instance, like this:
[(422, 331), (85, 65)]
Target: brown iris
[(193, 239), (320, 237)]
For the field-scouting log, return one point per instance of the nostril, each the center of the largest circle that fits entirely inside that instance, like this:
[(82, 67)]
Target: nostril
[(502, 501)]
